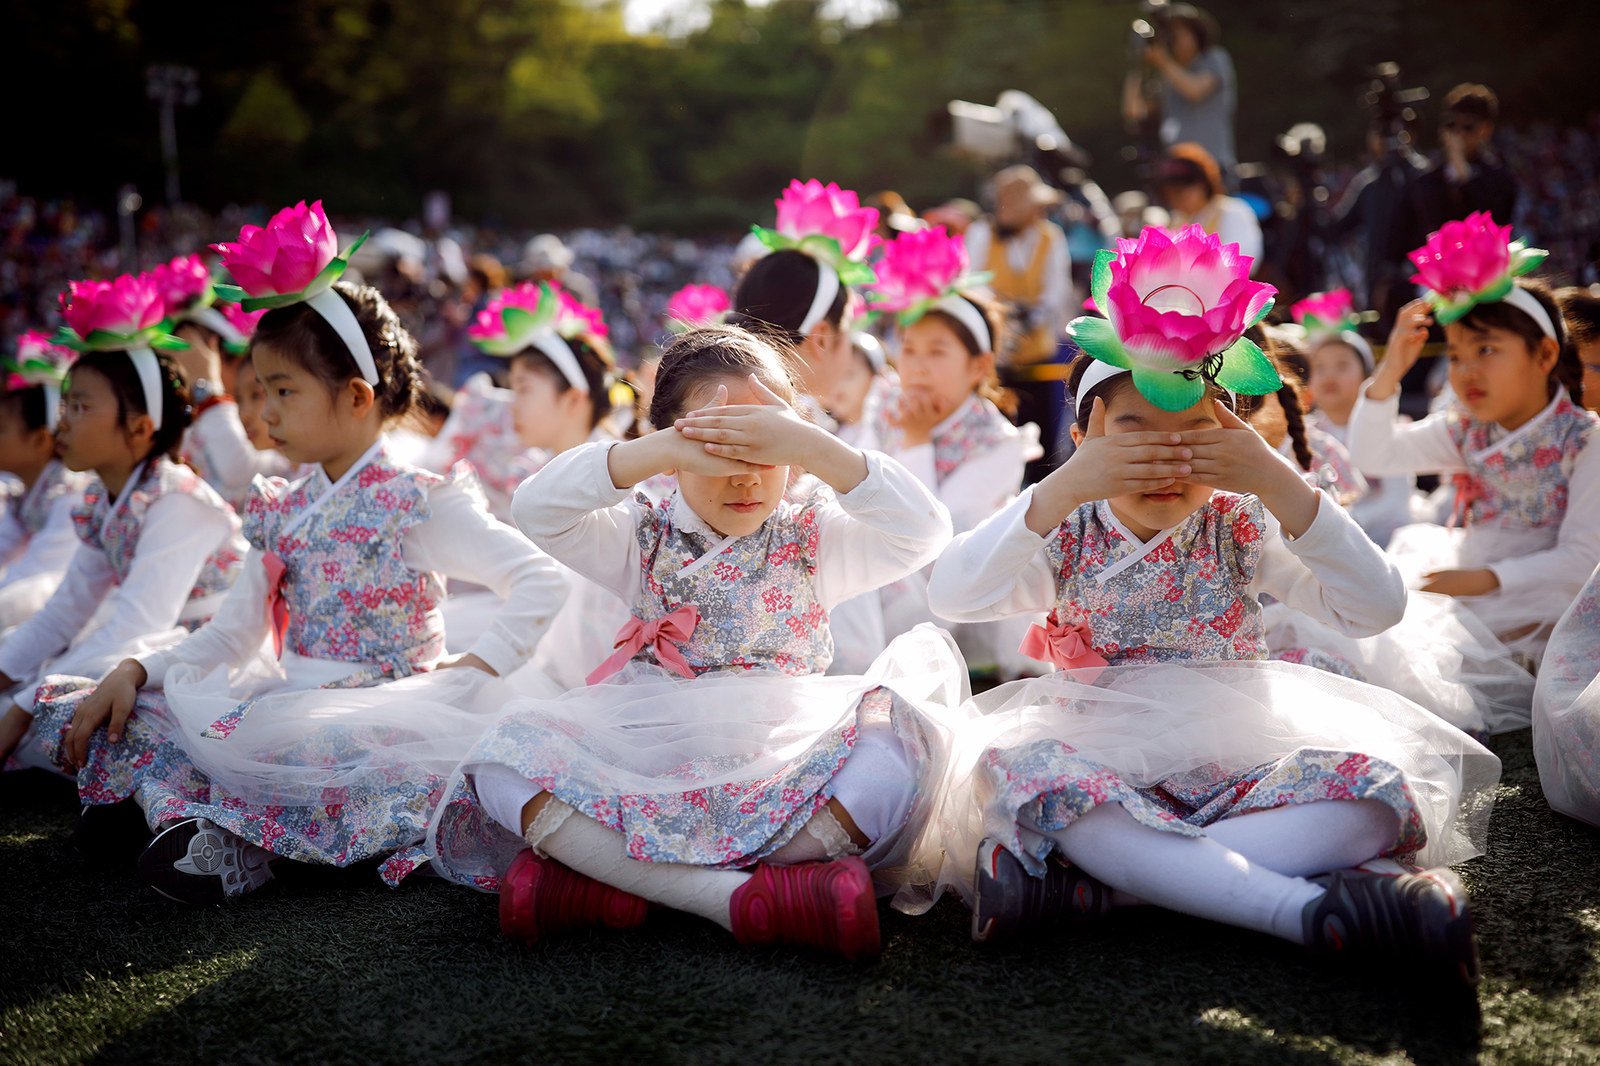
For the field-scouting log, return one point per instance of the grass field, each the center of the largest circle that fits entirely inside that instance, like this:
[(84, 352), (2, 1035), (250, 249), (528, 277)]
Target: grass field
[(336, 968)]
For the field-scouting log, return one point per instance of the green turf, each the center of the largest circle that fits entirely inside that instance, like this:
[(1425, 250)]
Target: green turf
[(337, 968)]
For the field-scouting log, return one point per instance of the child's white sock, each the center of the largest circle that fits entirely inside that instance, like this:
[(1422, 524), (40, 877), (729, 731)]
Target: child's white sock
[(588, 847), (1191, 875)]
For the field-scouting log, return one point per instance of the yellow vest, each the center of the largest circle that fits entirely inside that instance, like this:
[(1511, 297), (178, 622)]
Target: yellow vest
[(1025, 288)]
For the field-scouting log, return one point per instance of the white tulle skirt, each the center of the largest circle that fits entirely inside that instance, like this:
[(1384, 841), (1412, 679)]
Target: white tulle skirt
[(718, 770), (1566, 710), (1128, 731), (273, 735), (1522, 621), (1440, 655)]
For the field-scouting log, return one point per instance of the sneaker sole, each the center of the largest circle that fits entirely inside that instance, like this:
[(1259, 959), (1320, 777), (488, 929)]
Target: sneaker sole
[(156, 869)]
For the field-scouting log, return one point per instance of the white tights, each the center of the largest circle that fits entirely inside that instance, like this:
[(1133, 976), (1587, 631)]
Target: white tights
[(1247, 871)]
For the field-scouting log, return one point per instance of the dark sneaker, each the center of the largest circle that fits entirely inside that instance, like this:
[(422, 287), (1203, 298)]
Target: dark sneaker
[(1008, 900), (194, 861), (111, 833), (541, 897), (1422, 917)]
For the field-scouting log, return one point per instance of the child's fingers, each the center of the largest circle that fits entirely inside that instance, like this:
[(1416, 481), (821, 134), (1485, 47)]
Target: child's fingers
[(716, 434), (734, 458), (768, 397), (1152, 453), (1202, 437), (1229, 419), (1097, 419), (119, 718), (1159, 470)]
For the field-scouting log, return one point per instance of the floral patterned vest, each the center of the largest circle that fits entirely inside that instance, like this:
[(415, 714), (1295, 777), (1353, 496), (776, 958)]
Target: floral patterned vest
[(1520, 480), (350, 594), (757, 606), (1182, 596), (115, 530), (33, 508), (976, 426)]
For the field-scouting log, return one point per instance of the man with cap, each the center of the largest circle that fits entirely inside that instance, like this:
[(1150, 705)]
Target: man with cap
[(546, 258), (1027, 255)]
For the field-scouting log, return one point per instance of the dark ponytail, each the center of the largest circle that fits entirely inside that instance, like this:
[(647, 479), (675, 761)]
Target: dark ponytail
[(299, 332), (1294, 418)]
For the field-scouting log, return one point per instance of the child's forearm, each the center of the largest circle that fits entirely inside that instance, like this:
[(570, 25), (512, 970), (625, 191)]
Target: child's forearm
[(838, 465), (1054, 498), (1292, 502), (634, 461)]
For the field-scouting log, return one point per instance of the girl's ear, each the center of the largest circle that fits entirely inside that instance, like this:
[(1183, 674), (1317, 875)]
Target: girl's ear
[(982, 367), (1547, 355), (140, 431), (362, 397)]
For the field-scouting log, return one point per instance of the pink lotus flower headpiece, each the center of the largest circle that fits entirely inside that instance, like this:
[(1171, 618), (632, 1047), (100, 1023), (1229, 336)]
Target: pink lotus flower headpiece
[(1176, 309), (123, 314), (184, 284), (295, 259), (244, 324), (542, 316), (918, 269), (291, 259), (38, 362), (694, 306), (1326, 312), (1469, 262), (827, 223)]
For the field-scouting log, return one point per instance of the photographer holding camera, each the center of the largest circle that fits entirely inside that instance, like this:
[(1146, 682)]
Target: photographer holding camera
[(1194, 84), (1468, 175)]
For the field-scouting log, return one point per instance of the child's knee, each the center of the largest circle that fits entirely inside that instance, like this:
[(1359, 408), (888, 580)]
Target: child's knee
[(878, 783)]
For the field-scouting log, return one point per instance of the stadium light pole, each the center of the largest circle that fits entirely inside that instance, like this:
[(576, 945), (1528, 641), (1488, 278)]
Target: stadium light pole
[(170, 85)]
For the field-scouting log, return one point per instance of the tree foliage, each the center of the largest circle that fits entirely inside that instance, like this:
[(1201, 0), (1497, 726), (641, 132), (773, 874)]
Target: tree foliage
[(546, 112)]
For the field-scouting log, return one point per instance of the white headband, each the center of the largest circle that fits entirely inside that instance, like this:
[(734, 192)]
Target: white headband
[(964, 312), (148, 368), (871, 348), (1524, 301), (558, 351), (1092, 376), (1098, 372), (216, 322), (331, 306), (822, 299), (52, 405)]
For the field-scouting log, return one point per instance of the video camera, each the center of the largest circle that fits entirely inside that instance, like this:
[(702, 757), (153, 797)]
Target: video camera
[(1389, 110), (1150, 29), (1016, 129)]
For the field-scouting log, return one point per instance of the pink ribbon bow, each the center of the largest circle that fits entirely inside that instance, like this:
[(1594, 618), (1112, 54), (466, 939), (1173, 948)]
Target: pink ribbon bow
[(277, 606), (662, 636), (1468, 492), (1064, 646)]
